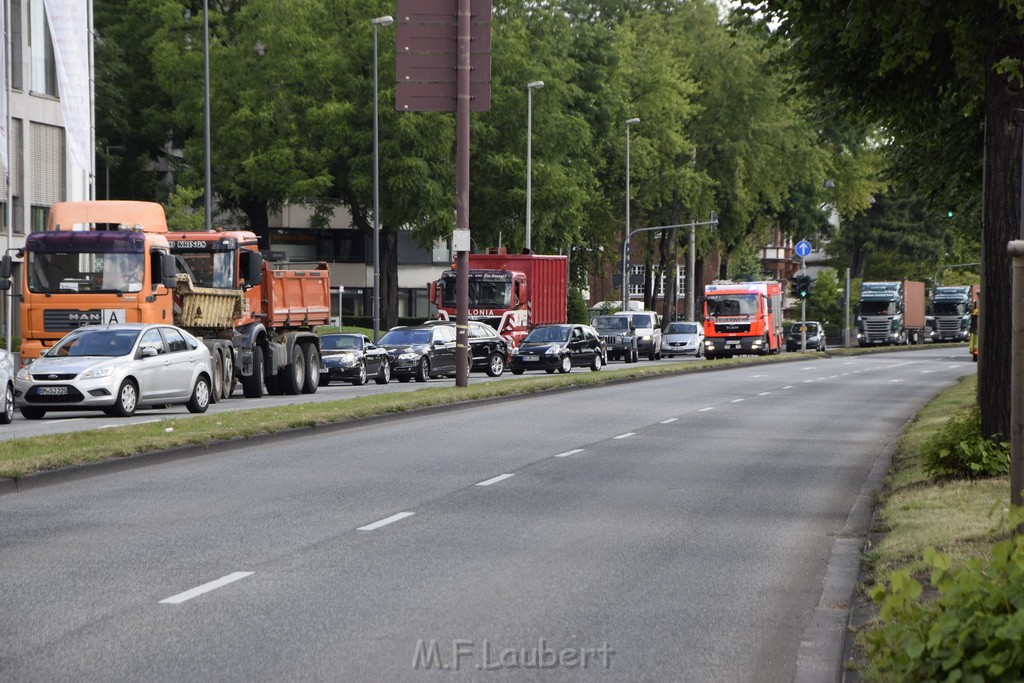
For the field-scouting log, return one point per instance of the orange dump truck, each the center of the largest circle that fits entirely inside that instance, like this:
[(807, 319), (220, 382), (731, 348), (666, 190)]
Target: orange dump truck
[(115, 261)]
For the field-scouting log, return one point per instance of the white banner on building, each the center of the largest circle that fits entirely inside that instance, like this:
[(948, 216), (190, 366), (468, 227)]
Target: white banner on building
[(6, 96), (69, 28)]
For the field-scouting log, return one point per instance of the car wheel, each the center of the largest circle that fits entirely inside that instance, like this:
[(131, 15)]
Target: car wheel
[(325, 379), (595, 364), (252, 386), (519, 371), (423, 370), (30, 413), (652, 355), (360, 379), (292, 377), (565, 365), (312, 379), (8, 414), (495, 365), (200, 400), (404, 378), (218, 376), (127, 399), (384, 374)]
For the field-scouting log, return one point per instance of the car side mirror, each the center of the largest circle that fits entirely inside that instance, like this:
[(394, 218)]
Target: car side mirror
[(148, 352)]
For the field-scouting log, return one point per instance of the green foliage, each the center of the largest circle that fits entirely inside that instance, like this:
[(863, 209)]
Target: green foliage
[(972, 631), (824, 302), (959, 451), (15, 343), (745, 263), (181, 211), (577, 311)]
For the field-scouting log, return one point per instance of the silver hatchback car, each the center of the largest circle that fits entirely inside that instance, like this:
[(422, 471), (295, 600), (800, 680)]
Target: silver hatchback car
[(117, 369)]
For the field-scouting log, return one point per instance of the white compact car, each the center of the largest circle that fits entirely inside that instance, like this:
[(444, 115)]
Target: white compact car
[(683, 337), (117, 369)]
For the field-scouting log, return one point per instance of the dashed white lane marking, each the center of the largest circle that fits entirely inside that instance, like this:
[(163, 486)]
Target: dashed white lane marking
[(384, 522), (954, 366), (668, 421), (736, 400), (845, 374), (494, 480), (625, 436), (807, 381), (895, 380), (704, 410), (568, 453), (833, 376), (926, 372), (205, 588), (756, 376), (764, 393), (789, 387)]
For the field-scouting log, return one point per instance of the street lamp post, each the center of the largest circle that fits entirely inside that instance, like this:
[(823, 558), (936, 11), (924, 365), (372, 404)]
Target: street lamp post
[(625, 241), (111, 148), (530, 87), (207, 176), (379, 21)]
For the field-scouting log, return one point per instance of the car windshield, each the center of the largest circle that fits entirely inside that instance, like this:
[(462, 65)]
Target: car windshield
[(405, 337), (732, 304), (611, 322), (643, 320), (340, 342), (548, 334), (812, 328), (95, 343), (682, 328)]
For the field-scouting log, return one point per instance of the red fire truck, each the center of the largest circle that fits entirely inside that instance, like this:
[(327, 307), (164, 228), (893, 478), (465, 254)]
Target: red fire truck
[(742, 318)]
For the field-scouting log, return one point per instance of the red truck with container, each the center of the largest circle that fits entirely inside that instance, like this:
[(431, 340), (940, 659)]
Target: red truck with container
[(742, 318), (510, 292), (116, 261)]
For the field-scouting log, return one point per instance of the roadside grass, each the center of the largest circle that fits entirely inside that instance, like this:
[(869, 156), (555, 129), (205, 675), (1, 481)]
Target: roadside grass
[(960, 518), (20, 457)]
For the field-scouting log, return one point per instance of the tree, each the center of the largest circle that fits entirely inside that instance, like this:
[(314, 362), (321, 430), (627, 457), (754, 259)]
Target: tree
[(824, 304), (944, 80)]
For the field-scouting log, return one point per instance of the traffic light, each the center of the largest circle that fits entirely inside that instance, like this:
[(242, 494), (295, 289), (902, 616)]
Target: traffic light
[(950, 213), (801, 285)]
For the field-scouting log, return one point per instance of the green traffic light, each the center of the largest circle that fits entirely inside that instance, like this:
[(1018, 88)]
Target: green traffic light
[(949, 214)]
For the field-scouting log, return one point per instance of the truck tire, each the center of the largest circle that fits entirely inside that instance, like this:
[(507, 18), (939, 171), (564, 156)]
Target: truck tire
[(312, 356), (252, 386), (292, 376), (230, 381), (217, 391)]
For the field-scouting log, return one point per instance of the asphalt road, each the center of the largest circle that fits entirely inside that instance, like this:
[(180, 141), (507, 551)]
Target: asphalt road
[(672, 529), (73, 421)]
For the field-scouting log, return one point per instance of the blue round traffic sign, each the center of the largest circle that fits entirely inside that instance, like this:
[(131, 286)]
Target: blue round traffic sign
[(802, 248)]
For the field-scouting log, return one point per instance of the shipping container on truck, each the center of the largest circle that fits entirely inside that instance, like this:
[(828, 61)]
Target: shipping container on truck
[(951, 307), (512, 293), (742, 318), (891, 312), (112, 261)]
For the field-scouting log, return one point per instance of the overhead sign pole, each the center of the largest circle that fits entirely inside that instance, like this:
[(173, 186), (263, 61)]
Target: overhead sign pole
[(803, 249)]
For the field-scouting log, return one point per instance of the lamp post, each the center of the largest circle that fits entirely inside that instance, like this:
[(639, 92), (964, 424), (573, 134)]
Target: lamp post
[(111, 148), (625, 241), (530, 87), (207, 181), (379, 21)]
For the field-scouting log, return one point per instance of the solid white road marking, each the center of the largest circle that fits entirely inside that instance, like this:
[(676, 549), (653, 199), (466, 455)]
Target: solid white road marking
[(385, 521), (625, 436), (568, 453), (494, 480), (704, 410), (205, 588), (669, 421)]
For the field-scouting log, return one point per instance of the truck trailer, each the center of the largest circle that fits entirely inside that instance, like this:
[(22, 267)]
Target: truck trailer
[(951, 308), (891, 313), (742, 318), (116, 261), (512, 293)]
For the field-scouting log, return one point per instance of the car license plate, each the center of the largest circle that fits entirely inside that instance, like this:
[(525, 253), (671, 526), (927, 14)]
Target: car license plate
[(52, 391), (531, 359)]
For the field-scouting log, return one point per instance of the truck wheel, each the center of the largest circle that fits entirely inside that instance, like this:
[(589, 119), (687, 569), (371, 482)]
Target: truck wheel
[(292, 376), (230, 381), (252, 386), (127, 400), (495, 365), (201, 396), (312, 356), (423, 370), (218, 377), (30, 413)]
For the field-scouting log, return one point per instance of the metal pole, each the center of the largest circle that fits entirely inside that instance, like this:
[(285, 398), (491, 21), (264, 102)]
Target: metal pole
[(9, 199), (803, 310), (691, 275), (846, 326), (625, 239), (380, 21), (462, 194), (529, 158), (1016, 250), (208, 212)]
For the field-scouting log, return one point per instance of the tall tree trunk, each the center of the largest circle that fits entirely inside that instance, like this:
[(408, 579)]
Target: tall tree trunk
[(1000, 220), (259, 219), (388, 278), (668, 253)]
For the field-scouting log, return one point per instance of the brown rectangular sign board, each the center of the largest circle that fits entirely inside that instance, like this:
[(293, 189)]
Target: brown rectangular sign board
[(440, 68), (439, 10), (440, 97)]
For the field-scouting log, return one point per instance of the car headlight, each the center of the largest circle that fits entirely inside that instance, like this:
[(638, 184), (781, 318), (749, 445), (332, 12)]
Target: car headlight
[(411, 355), (96, 373), (23, 374), (552, 351), (347, 360), (645, 337)]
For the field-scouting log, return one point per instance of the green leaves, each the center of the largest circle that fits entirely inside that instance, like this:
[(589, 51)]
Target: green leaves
[(959, 451)]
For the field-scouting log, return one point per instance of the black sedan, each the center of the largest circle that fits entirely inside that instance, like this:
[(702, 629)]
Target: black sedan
[(420, 352), (489, 349), (559, 347), (352, 358)]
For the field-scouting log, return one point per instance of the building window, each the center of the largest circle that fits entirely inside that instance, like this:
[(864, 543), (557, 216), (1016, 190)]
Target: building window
[(44, 63), (17, 79), (40, 215), (47, 177)]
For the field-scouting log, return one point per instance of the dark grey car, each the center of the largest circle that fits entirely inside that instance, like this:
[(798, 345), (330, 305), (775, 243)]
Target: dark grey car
[(619, 334)]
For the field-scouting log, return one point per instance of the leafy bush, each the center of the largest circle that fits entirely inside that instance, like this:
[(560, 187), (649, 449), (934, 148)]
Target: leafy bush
[(15, 343), (959, 451), (972, 631), (577, 311)]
